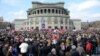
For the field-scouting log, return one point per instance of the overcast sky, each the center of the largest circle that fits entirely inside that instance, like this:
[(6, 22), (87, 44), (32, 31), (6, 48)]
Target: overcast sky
[(86, 10)]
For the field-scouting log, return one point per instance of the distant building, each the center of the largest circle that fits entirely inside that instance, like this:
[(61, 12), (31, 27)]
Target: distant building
[(19, 23), (1, 19), (75, 23), (4, 25), (44, 15)]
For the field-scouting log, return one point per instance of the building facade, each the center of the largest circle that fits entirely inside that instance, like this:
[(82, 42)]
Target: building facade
[(1, 19), (44, 15)]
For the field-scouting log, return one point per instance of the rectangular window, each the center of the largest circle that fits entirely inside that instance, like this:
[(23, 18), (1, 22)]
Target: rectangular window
[(55, 20), (65, 20), (49, 20), (61, 20), (36, 20), (31, 21)]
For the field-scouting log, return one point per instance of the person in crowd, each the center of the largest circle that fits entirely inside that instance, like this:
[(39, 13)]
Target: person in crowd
[(88, 48), (1, 51), (93, 40), (80, 49), (50, 42), (15, 50), (10, 51), (84, 40), (74, 52), (31, 49), (67, 53), (24, 48), (62, 49), (5, 48), (53, 52)]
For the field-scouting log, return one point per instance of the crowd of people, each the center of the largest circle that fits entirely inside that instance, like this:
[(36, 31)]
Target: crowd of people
[(50, 42)]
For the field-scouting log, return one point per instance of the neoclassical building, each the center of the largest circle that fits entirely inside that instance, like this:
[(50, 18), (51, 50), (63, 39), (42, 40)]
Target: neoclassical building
[(44, 15)]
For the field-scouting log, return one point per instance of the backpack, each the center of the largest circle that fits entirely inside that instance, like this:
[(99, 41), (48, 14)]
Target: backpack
[(88, 47)]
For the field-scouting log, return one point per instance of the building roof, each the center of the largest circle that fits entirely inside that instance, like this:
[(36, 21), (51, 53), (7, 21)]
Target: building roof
[(39, 4), (47, 3), (47, 7)]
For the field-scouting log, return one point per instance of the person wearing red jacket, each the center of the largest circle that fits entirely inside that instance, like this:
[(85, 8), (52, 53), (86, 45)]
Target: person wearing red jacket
[(88, 48)]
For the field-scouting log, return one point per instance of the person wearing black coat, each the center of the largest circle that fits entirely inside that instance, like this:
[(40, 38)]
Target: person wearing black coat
[(1, 49), (74, 52)]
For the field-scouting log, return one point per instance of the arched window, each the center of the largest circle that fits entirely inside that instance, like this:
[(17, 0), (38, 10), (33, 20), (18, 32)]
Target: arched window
[(59, 12), (45, 10), (37, 11), (56, 11), (48, 10), (41, 11), (34, 12), (52, 10)]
